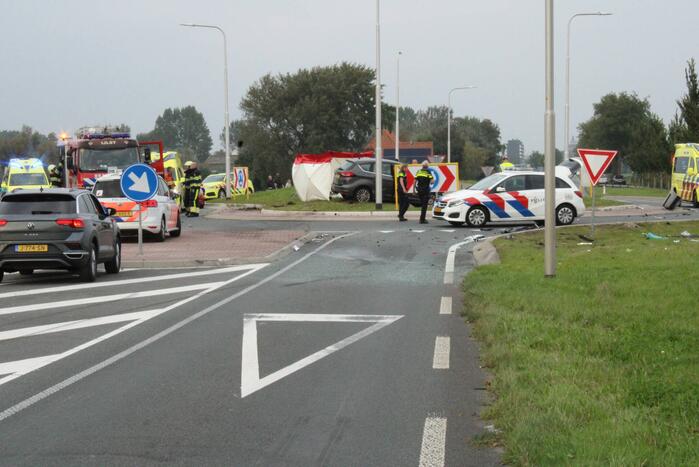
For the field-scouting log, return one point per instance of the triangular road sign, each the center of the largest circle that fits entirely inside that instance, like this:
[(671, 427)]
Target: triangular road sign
[(250, 380), (596, 162)]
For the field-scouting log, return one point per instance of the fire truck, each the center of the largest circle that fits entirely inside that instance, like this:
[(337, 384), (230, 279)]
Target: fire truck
[(97, 151)]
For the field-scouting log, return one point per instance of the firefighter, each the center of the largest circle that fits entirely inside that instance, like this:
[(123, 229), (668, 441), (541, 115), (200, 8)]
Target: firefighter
[(403, 202), (423, 183), (506, 164), (54, 176), (192, 184)]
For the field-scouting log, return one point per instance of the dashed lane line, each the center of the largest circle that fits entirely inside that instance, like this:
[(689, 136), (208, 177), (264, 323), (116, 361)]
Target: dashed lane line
[(434, 438), (442, 347), (445, 306)]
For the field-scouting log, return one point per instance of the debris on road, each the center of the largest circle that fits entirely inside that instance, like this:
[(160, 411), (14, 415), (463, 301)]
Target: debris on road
[(652, 236)]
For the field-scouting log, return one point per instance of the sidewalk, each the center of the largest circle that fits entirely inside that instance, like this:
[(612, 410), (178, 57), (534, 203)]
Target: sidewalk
[(206, 248)]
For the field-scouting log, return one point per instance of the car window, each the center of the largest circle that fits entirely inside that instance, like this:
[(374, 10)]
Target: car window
[(85, 206), (681, 164), (535, 182), (387, 168), (691, 164), (516, 183), (108, 189), (347, 165), (28, 179), (162, 189), (366, 166), (560, 183), (37, 204), (97, 205)]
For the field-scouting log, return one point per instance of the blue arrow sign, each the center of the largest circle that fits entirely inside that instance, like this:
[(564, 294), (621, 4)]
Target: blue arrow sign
[(139, 182)]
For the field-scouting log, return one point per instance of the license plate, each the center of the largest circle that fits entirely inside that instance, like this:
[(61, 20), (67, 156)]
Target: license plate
[(123, 213), (31, 248), (437, 210)]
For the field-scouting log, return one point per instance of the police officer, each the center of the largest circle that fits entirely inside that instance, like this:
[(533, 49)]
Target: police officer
[(403, 202), (506, 164), (54, 176), (192, 184), (423, 182)]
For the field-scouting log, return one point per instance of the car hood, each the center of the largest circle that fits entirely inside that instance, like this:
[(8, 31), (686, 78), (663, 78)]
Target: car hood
[(461, 194)]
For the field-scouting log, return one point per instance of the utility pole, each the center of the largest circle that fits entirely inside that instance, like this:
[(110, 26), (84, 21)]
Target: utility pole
[(378, 195), (549, 154)]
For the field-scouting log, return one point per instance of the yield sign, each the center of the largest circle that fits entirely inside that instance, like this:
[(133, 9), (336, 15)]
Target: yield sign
[(250, 380), (596, 162)]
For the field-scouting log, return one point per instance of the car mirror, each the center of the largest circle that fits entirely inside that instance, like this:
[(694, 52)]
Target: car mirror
[(111, 211), (500, 189)]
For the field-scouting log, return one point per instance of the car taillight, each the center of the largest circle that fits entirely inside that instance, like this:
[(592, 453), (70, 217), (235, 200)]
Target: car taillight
[(76, 223), (3, 222), (579, 193), (151, 203), (346, 174)]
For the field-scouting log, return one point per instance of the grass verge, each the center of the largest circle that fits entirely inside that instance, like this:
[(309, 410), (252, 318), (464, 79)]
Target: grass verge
[(600, 365)]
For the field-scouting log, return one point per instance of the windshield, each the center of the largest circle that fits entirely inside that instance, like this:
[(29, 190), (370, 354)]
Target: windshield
[(681, 164), (108, 189), (28, 179), (37, 204), (100, 160), (346, 166), (487, 182), (214, 178)]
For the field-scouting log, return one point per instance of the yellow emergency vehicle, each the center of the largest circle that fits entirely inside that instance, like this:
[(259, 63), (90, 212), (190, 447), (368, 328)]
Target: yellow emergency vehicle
[(24, 174), (685, 172), (215, 184), (174, 172)]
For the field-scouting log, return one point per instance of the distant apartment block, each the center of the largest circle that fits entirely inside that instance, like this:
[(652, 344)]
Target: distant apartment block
[(515, 151)]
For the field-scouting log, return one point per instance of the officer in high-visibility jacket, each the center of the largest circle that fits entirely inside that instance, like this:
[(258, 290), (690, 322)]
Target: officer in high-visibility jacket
[(403, 202), (423, 183), (54, 176), (506, 164), (192, 184)]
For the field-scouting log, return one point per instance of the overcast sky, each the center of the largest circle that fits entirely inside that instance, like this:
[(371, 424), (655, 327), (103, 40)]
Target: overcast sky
[(69, 63)]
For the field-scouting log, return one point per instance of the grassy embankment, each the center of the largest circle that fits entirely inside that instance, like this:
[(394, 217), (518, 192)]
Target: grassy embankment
[(600, 365)]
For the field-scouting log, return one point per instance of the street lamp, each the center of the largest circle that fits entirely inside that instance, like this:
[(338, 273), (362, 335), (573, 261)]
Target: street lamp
[(549, 154), (449, 118), (227, 179), (398, 105), (379, 154), (567, 109)]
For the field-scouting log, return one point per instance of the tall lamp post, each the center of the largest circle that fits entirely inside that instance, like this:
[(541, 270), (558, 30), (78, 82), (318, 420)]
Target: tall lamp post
[(398, 105), (566, 152), (549, 154), (227, 179), (449, 118), (379, 151)]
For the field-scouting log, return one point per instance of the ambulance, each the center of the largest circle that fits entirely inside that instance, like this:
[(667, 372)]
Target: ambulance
[(685, 172), (173, 172), (24, 174)]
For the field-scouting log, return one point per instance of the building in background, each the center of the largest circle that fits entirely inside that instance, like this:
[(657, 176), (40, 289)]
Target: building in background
[(515, 151), (409, 150)]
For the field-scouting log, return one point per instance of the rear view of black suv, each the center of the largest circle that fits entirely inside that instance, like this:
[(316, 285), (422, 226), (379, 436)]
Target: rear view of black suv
[(356, 180), (57, 229)]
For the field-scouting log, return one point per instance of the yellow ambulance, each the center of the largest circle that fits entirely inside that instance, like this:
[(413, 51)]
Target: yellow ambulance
[(24, 174), (685, 172)]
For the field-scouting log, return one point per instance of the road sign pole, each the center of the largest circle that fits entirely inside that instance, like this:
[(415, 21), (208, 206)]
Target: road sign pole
[(593, 212), (140, 230)]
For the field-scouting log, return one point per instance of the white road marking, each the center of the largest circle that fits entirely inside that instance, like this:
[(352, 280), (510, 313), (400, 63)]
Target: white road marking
[(250, 381), (386, 231), (72, 325), (447, 230), (108, 298), (138, 280), (434, 440), (451, 254), (18, 366), (445, 306), (26, 403), (418, 231), (440, 360)]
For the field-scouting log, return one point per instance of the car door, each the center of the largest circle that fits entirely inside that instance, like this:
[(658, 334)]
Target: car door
[(534, 195), (107, 228), (88, 211), (507, 199), (170, 207), (388, 186)]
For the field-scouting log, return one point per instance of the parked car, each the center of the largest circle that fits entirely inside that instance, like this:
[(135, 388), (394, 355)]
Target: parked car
[(57, 228), (509, 197), (159, 216), (603, 180), (618, 180), (356, 180)]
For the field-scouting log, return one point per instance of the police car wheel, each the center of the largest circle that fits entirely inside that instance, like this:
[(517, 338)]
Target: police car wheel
[(476, 216), (565, 214)]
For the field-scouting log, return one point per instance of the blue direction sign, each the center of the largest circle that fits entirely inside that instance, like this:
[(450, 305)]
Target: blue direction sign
[(139, 182)]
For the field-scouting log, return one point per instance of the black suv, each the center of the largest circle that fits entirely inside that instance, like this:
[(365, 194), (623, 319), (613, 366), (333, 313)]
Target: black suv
[(57, 229), (356, 180)]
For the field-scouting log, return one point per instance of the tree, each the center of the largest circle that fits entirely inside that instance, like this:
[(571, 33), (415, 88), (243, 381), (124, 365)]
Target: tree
[(536, 159), (28, 143), (184, 130), (685, 126), (324, 108), (474, 158), (624, 122)]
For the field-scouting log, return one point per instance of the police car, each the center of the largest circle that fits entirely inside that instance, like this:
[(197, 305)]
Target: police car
[(159, 215), (510, 197)]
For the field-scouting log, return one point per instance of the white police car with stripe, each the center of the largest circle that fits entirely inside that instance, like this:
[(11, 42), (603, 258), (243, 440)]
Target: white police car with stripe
[(510, 197)]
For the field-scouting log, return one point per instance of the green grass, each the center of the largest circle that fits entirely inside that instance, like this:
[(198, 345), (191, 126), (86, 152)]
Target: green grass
[(285, 199), (600, 365), (601, 201), (633, 191)]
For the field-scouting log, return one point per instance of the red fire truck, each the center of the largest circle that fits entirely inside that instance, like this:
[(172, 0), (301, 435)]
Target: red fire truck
[(96, 151)]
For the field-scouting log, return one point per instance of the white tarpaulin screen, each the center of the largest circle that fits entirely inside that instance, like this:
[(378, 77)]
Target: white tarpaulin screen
[(313, 173)]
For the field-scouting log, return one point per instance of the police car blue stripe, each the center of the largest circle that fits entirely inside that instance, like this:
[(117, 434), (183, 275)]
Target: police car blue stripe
[(520, 208), (496, 209)]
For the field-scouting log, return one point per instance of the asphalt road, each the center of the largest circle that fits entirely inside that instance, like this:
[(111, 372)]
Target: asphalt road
[(349, 351)]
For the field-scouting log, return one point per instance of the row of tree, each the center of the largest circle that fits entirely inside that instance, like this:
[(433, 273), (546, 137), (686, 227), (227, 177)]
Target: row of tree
[(27, 142)]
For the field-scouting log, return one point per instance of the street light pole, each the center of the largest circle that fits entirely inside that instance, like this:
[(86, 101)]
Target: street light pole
[(549, 154), (566, 128), (398, 106), (378, 195), (226, 131), (449, 118)]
